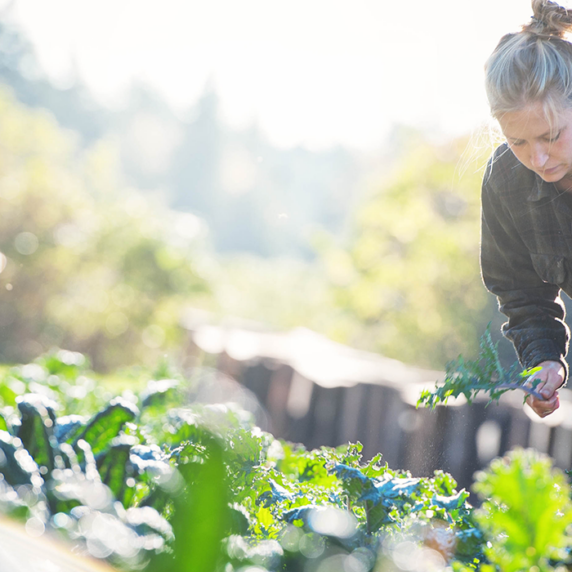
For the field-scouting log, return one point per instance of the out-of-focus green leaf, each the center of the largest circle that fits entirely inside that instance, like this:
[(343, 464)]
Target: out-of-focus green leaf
[(68, 428), (151, 466), (107, 424), (201, 516), (4, 423), (17, 466), (37, 429), (159, 392), (8, 393), (453, 502), (64, 363), (147, 521), (239, 522), (355, 482), (114, 463), (149, 460), (526, 511)]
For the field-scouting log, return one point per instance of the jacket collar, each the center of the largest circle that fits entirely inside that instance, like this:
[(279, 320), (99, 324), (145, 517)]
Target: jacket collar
[(540, 189)]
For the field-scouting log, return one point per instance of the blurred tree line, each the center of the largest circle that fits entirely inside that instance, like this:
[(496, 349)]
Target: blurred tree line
[(86, 264), (254, 196), (89, 263)]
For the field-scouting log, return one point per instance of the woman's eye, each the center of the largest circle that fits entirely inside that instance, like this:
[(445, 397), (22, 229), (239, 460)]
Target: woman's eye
[(516, 143), (555, 138)]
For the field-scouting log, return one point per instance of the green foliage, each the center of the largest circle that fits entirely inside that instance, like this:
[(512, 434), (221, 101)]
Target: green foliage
[(526, 512), (107, 424), (158, 483), (201, 516), (184, 483), (484, 375)]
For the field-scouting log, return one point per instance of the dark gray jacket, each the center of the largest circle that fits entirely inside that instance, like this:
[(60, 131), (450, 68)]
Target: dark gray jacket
[(526, 256)]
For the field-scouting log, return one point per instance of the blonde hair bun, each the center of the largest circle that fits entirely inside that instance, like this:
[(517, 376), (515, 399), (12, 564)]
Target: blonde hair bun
[(549, 19)]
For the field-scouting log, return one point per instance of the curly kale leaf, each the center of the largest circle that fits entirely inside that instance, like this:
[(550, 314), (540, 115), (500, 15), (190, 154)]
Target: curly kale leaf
[(483, 375)]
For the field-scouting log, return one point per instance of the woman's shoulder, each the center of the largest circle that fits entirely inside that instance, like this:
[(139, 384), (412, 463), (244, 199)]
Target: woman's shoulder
[(505, 172), (503, 159)]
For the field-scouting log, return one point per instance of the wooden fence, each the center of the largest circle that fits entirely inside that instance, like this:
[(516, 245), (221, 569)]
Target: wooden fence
[(317, 392)]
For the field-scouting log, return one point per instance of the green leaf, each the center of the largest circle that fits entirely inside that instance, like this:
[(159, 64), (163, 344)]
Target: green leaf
[(68, 428), (64, 363), (239, 522), (485, 376), (5, 423), (113, 464), (159, 393), (264, 519), (201, 516), (37, 428), (107, 424), (17, 466), (526, 511)]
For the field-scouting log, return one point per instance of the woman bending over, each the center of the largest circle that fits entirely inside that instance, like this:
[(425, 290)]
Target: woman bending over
[(526, 250)]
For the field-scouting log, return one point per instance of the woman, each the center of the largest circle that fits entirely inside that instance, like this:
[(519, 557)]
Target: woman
[(526, 252)]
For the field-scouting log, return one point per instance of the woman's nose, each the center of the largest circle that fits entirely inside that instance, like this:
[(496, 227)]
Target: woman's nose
[(538, 156)]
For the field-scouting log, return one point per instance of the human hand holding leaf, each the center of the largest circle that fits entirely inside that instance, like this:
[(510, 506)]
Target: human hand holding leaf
[(483, 375)]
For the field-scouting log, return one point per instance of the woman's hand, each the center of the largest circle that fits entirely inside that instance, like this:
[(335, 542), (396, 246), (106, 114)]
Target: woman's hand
[(552, 377)]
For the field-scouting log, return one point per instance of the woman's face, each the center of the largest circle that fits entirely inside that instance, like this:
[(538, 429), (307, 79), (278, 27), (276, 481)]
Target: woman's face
[(540, 145)]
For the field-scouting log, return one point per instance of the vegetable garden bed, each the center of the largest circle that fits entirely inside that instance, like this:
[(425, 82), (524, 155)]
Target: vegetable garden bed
[(152, 481)]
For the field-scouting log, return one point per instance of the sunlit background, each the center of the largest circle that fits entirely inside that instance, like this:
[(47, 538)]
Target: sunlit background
[(316, 73), (280, 164)]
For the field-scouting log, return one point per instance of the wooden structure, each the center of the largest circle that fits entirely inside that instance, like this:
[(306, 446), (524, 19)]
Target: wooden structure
[(318, 392)]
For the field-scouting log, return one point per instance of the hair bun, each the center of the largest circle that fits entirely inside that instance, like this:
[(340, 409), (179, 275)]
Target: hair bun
[(549, 19)]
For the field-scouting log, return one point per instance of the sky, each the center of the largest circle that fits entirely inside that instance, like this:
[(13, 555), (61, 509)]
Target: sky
[(309, 72)]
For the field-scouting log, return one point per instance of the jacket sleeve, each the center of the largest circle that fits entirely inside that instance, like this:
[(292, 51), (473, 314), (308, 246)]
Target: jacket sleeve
[(534, 308)]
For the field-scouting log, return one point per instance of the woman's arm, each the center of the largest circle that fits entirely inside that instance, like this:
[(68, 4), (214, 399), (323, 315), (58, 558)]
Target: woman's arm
[(534, 309)]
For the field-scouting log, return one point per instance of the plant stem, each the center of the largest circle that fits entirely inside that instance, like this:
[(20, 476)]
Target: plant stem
[(524, 388)]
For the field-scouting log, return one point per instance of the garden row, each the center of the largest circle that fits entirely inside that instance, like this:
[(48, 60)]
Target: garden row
[(152, 480)]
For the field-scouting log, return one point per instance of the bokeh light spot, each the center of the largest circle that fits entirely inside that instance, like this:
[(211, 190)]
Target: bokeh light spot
[(62, 520), (312, 545), (35, 527), (290, 538), (333, 522), (26, 243)]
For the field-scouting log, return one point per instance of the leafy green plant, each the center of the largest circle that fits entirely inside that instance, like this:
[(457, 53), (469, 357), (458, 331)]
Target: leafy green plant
[(201, 516), (484, 375), (180, 482), (526, 512)]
